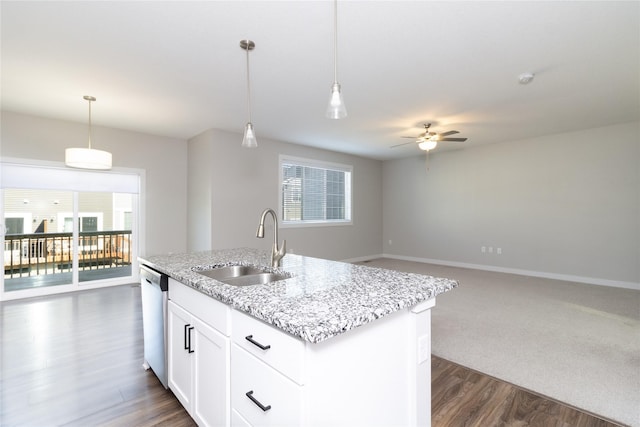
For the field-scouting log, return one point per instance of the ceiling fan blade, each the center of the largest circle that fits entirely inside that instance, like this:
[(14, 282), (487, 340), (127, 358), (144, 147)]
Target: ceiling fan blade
[(412, 137), (453, 139), (451, 132), (404, 143)]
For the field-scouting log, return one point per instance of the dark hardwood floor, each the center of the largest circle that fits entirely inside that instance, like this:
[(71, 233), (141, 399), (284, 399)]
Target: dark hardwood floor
[(76, 360)]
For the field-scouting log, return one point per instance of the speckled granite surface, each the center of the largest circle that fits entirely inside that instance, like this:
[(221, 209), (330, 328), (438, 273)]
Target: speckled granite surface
[(323, 298)]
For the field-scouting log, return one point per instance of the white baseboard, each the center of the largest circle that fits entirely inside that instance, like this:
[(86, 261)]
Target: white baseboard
[(364, 258), (555, 276)]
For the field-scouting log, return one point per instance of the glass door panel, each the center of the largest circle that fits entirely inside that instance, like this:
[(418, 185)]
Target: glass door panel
[(37, 250), (104, 243)]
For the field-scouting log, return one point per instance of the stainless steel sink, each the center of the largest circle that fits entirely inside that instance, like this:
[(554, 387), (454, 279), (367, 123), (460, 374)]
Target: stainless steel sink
[(243, 275), (230, 271), (255, 279)]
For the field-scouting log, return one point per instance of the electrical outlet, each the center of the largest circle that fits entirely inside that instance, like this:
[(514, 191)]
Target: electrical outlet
[(499, 251), (390, 242), (483, 249)]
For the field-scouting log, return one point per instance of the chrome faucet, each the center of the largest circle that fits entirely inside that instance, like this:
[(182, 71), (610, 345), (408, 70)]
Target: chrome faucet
[(276, 253)]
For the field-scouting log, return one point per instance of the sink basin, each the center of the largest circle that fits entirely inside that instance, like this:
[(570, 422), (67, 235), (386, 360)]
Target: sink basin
[(243, 275), (219, 273), (254, 279)]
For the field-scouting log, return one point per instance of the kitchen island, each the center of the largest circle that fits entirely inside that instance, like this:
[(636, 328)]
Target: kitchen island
[(333, 344)]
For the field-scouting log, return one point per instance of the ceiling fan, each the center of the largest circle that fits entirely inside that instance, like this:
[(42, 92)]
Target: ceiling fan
[(428, 140)]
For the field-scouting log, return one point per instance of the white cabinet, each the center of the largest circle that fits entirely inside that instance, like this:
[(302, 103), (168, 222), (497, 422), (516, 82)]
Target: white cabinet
[(229, 368), (260, 394), (198, 357), (376, 375)]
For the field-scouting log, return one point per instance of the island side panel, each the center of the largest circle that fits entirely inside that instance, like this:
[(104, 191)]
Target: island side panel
[(420, 362), (369, 376)]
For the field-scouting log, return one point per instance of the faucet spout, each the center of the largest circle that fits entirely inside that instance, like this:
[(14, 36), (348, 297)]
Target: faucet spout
[(277, 253)]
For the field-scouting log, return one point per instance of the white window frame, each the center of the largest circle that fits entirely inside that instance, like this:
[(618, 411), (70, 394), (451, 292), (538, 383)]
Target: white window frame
[(299, 161)]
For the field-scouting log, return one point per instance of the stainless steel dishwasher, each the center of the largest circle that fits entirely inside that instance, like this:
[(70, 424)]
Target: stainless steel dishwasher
[(154, 288)]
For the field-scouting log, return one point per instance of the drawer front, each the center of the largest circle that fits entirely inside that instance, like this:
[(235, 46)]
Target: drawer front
[(280, 397), (274, 347), (210, 310), (237, 420)]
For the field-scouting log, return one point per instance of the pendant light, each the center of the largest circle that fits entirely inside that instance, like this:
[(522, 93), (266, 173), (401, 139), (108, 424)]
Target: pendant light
[(87, 158), (336, 108), (249, 139)]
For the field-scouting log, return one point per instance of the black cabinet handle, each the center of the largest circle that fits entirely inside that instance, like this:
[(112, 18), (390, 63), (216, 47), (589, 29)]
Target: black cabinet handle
[(186, 334), (191, 328), (256, 343), (249, 394)]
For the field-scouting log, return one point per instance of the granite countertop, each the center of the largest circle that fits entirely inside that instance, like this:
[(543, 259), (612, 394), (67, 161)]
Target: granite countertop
[(323, 298)]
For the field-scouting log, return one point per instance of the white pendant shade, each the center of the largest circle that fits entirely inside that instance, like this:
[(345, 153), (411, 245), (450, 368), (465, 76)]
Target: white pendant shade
[(87, 158), (336, 108), (249, 140)]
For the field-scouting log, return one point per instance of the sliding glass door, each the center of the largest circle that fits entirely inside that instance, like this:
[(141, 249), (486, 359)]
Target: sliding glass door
[(64, 239)]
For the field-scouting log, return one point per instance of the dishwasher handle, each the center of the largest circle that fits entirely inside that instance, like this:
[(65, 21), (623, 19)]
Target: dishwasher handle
[(154, 277)]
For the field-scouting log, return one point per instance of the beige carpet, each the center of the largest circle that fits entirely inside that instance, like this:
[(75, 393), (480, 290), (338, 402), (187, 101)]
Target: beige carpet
[(576, 343)]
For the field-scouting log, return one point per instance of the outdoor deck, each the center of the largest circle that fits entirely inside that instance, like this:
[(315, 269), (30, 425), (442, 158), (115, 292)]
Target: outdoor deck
[(46, 259)]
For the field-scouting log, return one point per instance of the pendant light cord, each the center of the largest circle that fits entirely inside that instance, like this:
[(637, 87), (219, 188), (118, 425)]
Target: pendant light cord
[(335, 41), (89, 124), (248, 86)]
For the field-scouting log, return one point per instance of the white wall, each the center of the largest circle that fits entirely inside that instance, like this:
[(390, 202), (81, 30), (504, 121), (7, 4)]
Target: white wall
[(163, 159), (243, 182), (199, 183), (566, 204)]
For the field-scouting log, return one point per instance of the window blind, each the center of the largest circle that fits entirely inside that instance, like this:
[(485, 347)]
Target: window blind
[(15, 175)]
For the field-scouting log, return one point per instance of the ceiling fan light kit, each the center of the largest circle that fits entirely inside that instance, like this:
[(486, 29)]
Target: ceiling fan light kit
[(249, 138), (88, 158), (428, 140), (428, 144)]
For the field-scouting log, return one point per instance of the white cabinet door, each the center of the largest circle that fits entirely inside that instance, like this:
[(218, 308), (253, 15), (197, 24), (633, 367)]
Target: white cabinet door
[(180, 366), (211, 405)]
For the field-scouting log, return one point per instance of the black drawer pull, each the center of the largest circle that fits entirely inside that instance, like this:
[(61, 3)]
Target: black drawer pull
[(249, 394), (191, 328), (256, 343), (186, 334)]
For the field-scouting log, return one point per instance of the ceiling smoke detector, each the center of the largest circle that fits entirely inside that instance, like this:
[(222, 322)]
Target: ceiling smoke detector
[(525, 78)]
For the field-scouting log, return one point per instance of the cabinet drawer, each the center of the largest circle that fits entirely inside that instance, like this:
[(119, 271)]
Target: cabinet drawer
[(211, 311), (237, 420), (279, 349), (280, 396)]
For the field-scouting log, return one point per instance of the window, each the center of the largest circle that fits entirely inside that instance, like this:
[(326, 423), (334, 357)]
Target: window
[(16, 223), (314, 192), (87, 221)]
